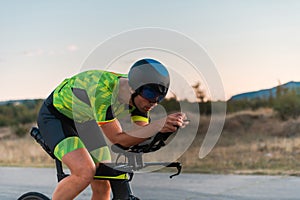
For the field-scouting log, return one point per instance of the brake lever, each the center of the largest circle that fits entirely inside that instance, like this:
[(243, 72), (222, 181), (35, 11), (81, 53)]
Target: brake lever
[(178, 167)]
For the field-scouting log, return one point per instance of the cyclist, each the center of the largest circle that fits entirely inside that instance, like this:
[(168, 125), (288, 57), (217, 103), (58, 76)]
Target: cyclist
[(70, 118)]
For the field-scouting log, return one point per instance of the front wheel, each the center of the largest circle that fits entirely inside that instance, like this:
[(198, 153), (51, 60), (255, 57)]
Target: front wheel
[(33, 196)]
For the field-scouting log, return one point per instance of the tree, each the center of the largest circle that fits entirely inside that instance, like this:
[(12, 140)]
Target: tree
[(287, 105), (200, 94)]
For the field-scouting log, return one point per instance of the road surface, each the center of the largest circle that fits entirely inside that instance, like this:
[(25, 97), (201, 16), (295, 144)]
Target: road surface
[(154, 186)]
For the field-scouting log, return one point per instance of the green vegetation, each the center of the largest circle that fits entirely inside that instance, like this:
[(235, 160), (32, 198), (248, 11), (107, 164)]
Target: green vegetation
[(17, 114), (286, 103)]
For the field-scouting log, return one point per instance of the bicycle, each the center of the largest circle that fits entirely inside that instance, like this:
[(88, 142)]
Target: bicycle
[(118, 173)]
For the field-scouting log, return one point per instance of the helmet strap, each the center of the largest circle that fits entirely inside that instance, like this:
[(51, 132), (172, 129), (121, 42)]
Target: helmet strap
[(132, 99)]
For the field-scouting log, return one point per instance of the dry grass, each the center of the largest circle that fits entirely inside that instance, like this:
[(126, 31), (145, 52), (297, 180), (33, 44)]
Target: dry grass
[(272, 156), (23, 152), (251, 142)]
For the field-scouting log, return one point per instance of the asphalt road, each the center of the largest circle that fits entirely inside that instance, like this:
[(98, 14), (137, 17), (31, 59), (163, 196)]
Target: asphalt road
[(154, 186)]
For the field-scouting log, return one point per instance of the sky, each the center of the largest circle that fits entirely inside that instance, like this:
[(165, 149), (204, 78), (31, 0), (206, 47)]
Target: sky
[(253, 44)]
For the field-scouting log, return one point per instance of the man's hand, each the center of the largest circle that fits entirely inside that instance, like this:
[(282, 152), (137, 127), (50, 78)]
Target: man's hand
[(174, 121)]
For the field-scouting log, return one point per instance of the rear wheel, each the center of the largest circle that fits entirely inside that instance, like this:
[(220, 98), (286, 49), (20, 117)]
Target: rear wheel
[(33, 196)]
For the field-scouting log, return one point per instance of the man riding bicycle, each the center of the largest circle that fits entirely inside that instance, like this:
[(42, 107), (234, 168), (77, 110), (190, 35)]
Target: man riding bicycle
[(70, 118)]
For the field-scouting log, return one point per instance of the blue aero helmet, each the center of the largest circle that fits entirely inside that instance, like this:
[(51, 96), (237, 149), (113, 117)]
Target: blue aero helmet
[(150, 79)]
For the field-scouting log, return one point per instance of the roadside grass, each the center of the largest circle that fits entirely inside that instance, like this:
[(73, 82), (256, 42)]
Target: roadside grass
[(270, 156), (23, 152), (251, 143)]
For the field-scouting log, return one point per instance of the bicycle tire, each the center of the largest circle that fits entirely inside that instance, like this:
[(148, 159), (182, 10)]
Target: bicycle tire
[(33, 196)]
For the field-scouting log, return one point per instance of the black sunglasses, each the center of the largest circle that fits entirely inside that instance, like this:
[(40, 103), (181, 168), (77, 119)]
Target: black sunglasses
[(154, 93)]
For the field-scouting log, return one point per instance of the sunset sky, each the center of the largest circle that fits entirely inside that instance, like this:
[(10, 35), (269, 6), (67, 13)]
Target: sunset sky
[(253, 44)]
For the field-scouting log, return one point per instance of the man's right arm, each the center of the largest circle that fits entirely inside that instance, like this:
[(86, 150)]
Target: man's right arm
[(116, 135), (113, 131)]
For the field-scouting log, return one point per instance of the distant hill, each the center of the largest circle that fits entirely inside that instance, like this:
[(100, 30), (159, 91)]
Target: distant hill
[(17, 102), (265, 93)]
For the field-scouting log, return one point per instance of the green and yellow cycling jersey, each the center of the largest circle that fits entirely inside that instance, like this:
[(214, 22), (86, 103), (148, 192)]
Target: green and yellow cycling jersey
[(92, 95)]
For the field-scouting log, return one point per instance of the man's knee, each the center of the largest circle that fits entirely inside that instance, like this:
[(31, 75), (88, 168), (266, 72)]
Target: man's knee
[(100, 186), (87, 173), (81, 165)]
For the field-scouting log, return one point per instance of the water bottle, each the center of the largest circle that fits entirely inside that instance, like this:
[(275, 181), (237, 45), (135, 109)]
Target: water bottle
[(36, 134)]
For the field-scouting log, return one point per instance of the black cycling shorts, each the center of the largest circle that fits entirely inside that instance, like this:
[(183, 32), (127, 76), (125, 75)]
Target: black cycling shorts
[(56, 128)]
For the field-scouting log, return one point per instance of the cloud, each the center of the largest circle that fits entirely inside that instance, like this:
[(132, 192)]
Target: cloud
[(72, 47), (36, 52), (40, 52)]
